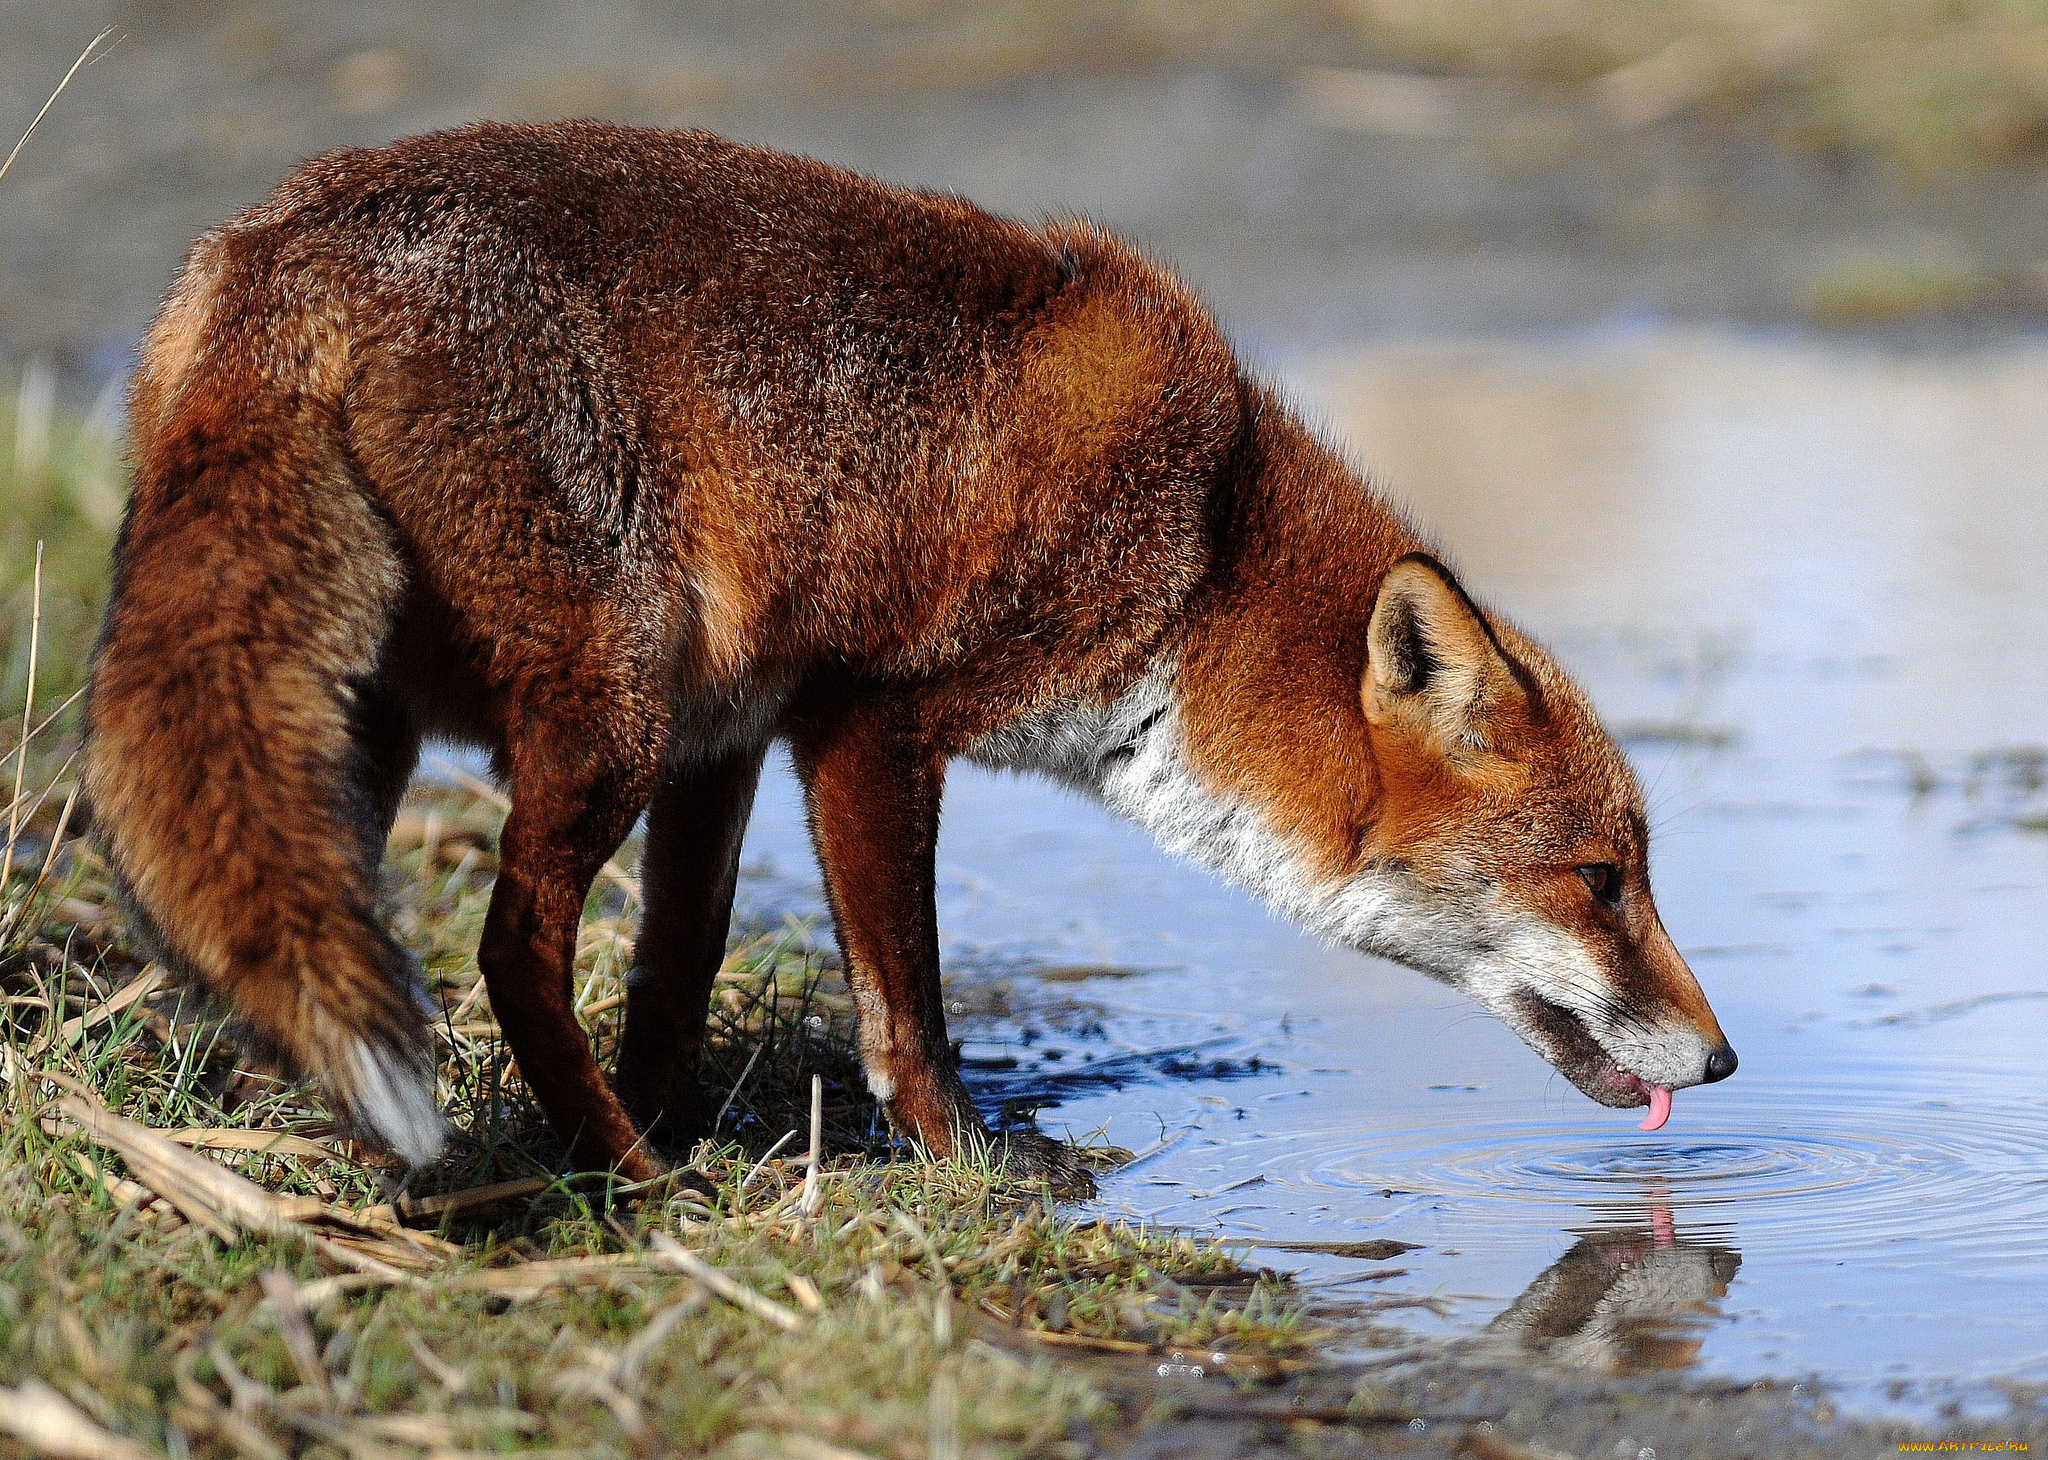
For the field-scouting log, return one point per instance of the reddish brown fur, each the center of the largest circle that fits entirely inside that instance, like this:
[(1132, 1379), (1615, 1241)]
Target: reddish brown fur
[(623, 452)]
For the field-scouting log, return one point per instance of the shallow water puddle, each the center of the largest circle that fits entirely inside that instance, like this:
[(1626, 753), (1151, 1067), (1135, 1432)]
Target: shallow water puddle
[(1809, 587)]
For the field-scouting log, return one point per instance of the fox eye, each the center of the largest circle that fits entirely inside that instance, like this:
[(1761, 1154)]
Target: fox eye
[(1603, 880)]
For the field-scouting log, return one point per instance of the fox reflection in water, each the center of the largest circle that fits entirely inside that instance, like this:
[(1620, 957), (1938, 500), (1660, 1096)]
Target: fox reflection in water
[(1624, 1299)]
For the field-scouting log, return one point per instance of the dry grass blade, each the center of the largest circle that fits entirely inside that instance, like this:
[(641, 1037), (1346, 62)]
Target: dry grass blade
[(122, 1191), (1165, 1143), (426, 1210), (1082, 1340), (440, 1453), (49, 859), (257, 1142), (762, 1165), (50, 719), (672, 1254), (318, 1291), (83, 56), (286, 1301), (633, 1357), (50, 1424), (242, 1436), (1482, 1446), (37, 805), (733, 1094), (810, 1447), (380, 1257), (141, 987), (531, 1279)]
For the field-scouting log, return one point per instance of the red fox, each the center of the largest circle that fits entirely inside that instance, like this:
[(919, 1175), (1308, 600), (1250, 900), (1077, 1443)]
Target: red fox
[(623, 454)]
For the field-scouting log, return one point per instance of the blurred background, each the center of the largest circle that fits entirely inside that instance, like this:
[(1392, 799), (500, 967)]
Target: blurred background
[(1319, 167), (1708, 333)]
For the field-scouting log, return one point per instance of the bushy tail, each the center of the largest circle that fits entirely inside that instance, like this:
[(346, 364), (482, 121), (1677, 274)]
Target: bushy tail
[(253, 588)]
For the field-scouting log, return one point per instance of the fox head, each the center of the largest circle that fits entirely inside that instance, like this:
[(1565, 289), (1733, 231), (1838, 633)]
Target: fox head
[(1462, 812), (1509, 853)]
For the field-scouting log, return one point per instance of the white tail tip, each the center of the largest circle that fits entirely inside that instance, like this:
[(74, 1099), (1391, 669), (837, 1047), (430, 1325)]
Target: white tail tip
[(395, 1099)]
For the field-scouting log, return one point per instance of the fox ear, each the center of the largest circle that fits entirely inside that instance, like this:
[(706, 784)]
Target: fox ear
[(1433, 667)]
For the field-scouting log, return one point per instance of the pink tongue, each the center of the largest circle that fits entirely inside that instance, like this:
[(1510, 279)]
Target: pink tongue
[(1660, 1109)]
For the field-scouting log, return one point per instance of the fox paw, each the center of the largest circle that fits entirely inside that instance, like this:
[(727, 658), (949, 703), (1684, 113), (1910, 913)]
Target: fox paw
[(1032, 1156)]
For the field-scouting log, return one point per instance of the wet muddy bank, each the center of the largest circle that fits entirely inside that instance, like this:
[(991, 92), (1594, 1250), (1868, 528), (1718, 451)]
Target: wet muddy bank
[(1468, 1406)]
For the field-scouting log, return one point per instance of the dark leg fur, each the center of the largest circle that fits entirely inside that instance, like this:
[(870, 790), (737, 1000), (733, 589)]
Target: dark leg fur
[(387, 753), (694, 829)]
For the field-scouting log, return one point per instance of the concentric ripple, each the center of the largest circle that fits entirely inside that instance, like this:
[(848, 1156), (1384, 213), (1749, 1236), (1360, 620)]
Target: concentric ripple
[(1928, 1177)]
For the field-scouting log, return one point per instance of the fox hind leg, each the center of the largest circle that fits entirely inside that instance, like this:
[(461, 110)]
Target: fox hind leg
[(688, 876), (387, 752), (561, 828)]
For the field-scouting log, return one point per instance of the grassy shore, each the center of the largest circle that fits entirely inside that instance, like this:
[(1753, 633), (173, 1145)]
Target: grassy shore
[(1921, 85), (192, 1260)]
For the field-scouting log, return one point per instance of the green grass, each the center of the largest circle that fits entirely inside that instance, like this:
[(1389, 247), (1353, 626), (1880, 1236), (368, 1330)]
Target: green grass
[(915, 1296), (61, 484)]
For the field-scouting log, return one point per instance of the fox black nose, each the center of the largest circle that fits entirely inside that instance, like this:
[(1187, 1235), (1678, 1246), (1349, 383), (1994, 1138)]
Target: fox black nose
[(1721, 1064)]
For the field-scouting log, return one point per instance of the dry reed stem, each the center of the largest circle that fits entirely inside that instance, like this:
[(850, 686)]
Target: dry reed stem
[(808, 1207), (122, 1191), (669, 1253), (209, 1195)]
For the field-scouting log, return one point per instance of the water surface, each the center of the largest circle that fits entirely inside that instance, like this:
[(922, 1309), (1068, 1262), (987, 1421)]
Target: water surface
[(1805, 583)]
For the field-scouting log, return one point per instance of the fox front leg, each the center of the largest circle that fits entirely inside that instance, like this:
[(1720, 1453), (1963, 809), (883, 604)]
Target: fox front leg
[(873, 786), (873, 791)]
